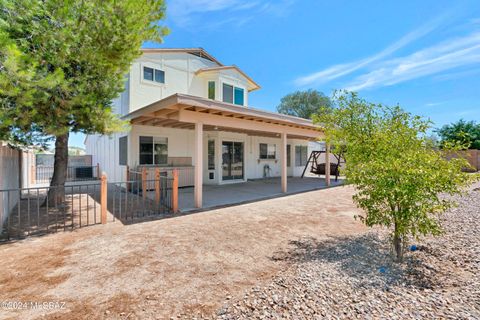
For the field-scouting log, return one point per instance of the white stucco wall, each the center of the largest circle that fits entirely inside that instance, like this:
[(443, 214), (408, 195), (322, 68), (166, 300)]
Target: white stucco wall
[(180, 77)]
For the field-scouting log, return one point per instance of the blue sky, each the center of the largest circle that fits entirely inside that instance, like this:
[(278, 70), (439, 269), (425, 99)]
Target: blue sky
[(423, 55)]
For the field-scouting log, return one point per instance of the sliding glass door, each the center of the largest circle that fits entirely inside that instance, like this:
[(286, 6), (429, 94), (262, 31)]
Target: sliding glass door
[(232, 160)]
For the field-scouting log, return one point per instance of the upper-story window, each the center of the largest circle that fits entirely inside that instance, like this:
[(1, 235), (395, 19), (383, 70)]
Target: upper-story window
[(211, 90), (238, 97), (233, 94), (152, 74)]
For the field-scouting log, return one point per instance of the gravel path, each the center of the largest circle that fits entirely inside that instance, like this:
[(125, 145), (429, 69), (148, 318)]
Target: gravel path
[(353, 277)]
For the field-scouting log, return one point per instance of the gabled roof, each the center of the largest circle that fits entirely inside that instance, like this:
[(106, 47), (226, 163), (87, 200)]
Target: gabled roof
[(199, 52), (254, 85)]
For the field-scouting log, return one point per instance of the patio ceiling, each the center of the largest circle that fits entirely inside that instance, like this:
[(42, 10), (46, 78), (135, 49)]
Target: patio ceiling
[(183, 111)]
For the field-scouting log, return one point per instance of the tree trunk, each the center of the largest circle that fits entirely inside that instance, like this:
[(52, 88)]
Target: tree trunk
[(56, 194), (398, 245)]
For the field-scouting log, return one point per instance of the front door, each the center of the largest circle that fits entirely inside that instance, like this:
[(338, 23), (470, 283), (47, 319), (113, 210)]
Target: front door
[(232, 160)]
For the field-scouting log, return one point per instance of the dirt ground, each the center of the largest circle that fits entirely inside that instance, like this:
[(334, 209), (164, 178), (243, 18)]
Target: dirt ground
[(172, 267)]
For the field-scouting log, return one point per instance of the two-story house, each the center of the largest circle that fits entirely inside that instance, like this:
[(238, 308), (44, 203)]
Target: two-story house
[(190, 111)]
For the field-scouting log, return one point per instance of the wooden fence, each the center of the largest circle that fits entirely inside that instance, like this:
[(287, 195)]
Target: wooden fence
[(472, 156)]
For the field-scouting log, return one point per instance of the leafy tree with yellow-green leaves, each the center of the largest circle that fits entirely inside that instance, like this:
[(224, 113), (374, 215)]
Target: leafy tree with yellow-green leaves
[(398, 176), (61, 64)]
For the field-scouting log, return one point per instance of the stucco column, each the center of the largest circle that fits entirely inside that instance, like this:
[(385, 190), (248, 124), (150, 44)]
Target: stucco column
[(283, 161), (327, 164), (198, 192)]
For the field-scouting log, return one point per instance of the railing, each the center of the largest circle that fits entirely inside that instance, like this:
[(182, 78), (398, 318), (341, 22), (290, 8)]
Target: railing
[(43, 174), (162, 187), (36, 211), (185, 173)]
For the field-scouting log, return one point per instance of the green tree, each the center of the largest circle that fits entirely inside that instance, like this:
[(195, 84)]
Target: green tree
[(61, 64), (463, 132), (397, 174), (303, 104)]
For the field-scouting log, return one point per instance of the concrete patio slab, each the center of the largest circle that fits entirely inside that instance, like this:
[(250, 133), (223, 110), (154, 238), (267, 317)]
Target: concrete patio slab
[(235, 193)]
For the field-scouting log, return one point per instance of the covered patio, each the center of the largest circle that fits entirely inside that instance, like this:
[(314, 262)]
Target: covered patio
[(200, 115), (253, 190)]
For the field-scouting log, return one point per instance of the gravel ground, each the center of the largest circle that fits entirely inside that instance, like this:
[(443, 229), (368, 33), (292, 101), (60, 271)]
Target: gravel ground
[(353, 277)]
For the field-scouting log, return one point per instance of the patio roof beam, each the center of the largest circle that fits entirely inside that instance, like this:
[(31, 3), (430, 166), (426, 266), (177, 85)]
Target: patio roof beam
[(243, 124)]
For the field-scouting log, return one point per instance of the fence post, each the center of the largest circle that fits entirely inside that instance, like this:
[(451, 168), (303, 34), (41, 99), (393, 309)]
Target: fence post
[(144, 182), (98, 170), (157, 186), (175, 191), (103, 198)]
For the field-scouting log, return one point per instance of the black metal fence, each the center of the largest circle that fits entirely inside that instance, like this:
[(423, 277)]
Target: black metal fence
[(140, 199), (43, 174), (34, 211)]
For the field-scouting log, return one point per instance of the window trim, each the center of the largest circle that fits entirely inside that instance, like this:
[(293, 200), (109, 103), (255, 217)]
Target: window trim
[(154, 67)]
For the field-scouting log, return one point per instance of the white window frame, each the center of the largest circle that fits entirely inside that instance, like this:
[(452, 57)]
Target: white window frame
[(153, 66), (154, 139), (269, 145), (304, 161), (233, 93)]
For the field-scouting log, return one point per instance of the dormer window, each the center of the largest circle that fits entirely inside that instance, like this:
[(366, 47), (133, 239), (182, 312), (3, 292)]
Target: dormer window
[(238, 97), (233, 94), (211, 90), (152, 74)]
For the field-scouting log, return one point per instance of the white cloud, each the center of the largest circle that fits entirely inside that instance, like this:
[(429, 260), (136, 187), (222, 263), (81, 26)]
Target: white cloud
[(447, 55), (190, 13), (340, 70)]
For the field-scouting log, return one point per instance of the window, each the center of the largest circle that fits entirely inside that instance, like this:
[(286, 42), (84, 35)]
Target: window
[(152, 74), (267, 151), (211, 90), (211, 154), (289, 152), (238, 96), (227, 93), (233, 94), (122, 150), (153, 150), (148, 73), (301, 155)]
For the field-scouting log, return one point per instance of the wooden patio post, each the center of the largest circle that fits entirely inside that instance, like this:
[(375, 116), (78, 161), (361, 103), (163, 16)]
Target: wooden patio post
[(157, 186), (327, 164), (198, 153), (103, 198), (33, 174), (175, 191), (144, 182), (98, 170), (283, 162)]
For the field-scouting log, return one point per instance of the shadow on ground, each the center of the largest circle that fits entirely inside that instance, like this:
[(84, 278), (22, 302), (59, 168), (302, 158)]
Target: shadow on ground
[(366, 258)]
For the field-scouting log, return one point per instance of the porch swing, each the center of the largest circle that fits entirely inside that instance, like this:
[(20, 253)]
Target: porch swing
[(319, 168)]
